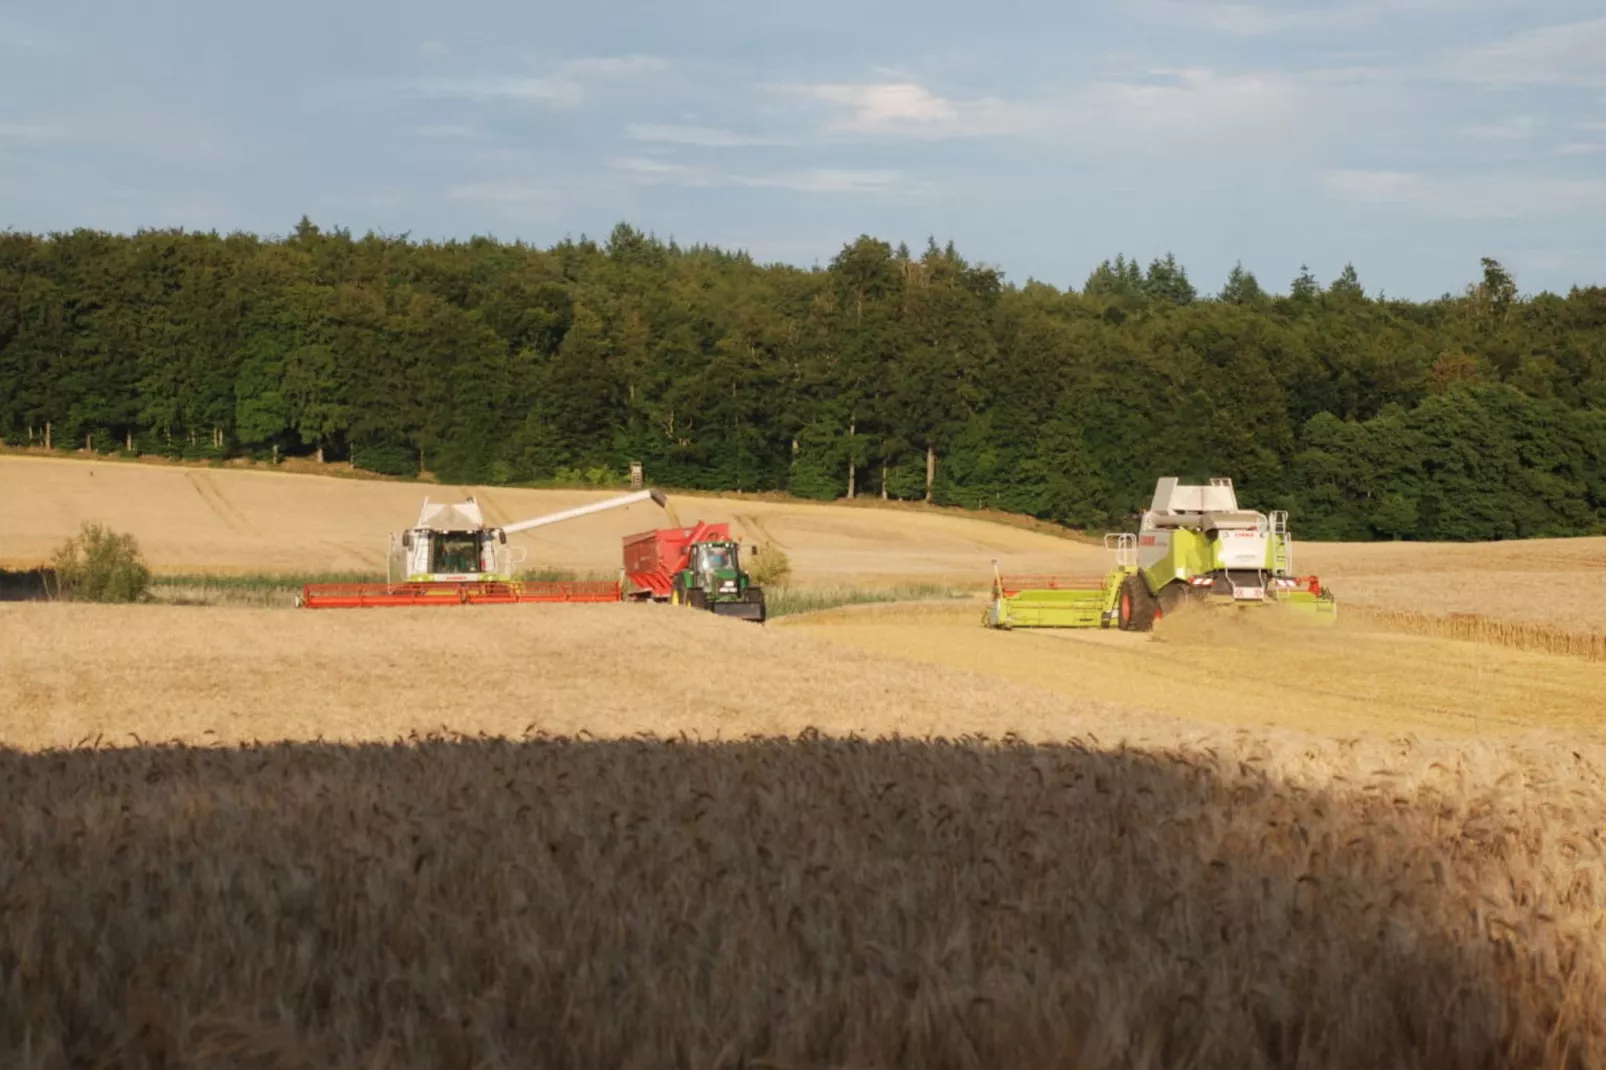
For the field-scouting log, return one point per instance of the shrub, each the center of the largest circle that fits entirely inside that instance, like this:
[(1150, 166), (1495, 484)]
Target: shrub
[(771, 567), (101, 565), (386, 458)]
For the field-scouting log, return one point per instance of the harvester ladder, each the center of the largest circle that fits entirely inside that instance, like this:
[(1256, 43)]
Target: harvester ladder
[(1125, 547), (1282, 544)]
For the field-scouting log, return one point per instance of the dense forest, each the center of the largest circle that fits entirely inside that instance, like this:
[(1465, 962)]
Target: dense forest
[(1480, 415)]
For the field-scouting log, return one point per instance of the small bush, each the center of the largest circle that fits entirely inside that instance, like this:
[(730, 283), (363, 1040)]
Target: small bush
[(101, 565), (769, 566)]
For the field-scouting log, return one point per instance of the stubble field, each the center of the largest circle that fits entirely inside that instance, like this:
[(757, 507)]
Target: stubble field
[(644, 836), (194, 520)]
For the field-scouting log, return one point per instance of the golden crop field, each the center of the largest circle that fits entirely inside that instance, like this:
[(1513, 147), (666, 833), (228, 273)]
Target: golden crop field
[(1255, 669), (225, 675), (606, 885), (1556, 582), (625, 835), (191, 519)]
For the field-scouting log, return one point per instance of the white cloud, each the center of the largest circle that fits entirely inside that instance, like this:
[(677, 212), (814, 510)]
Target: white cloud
[(1192, 98), (1170, 107), (647, 170), (1571, 54), (1132, 112), (1472, 197), (435, 48), (1581, 148), (700, 136), (1514, 129), (876, 105), (816, 180), (826, 180), (904, 108)]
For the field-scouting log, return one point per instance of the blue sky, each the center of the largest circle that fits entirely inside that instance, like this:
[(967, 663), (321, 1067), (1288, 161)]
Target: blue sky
[(1408, 136)]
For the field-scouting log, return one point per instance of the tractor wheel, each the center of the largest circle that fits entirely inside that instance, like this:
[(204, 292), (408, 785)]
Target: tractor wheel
[(697, 598), (1137, 606)]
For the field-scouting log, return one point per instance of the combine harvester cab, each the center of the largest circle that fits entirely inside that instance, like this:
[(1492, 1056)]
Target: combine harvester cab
[(698, 566), (452, 557), (1194, 546)]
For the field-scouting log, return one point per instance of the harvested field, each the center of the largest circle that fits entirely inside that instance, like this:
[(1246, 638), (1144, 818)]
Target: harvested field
[(1260, 669), (202, 675), (198, 520), (191, 520)]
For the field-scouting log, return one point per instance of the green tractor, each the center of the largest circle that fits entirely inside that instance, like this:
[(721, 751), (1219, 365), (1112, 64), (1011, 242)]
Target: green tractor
[(1194, 546), (713, 579)]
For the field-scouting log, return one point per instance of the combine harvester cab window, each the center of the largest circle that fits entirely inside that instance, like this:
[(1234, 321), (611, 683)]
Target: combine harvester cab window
[(456, 552)]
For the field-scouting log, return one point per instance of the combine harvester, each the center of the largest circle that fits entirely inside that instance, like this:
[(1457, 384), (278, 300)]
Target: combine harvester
[(1194, 547), (697, 566), (452, 557)]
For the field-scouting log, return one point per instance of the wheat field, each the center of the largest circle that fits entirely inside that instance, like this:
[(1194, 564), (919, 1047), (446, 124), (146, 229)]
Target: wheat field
[(643, 836), (128, 674), (802, 903), (1256, 669), (194, 520), (882, 836)]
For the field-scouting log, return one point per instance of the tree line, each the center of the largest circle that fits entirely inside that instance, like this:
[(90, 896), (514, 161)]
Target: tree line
[(1477, 415)]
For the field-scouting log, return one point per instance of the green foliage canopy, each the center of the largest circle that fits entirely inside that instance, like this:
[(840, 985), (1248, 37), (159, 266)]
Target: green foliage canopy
[(1473, 416)]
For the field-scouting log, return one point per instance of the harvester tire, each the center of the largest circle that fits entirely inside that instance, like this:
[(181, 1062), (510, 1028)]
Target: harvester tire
[(1173, 596), (1136, 606)]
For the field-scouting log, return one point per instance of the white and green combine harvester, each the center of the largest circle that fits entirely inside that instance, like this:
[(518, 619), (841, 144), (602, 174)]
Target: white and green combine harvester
[(1194, 546)]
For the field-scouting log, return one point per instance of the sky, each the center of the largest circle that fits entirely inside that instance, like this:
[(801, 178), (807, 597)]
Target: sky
[(1408, 137)]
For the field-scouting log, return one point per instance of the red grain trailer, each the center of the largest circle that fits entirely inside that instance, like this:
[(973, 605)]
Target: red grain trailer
[(653, 557)]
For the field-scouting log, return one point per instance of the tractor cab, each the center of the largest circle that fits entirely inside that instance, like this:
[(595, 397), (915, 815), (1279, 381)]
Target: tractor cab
[(715, 567)]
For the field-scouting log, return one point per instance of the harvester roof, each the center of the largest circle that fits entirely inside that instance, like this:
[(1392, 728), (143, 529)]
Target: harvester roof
[(1205, 508), (451, 516)]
